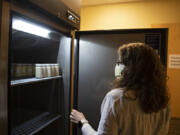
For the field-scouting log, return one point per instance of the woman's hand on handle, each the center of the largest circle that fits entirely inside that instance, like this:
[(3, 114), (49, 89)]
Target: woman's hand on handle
[(76, 116)]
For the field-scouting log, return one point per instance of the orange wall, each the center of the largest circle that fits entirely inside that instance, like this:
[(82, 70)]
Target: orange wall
[(156, 14), (130, 15)]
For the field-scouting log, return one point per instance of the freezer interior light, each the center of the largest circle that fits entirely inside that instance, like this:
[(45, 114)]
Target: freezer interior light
[(29, 27)]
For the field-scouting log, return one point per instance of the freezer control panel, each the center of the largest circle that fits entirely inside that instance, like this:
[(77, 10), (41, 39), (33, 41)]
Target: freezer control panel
[(72, 17)]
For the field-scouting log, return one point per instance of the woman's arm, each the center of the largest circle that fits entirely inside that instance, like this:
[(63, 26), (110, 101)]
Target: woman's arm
[(86, 128), (108, 123)]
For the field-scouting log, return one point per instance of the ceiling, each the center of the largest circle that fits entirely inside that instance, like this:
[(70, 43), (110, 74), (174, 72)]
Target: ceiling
[(100, 2), (74, 4)]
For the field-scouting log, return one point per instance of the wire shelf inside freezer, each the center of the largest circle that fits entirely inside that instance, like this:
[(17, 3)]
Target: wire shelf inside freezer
[(36, 124)]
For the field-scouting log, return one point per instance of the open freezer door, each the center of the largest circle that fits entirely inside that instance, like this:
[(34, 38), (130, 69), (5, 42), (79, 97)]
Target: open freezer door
[(96, 56)]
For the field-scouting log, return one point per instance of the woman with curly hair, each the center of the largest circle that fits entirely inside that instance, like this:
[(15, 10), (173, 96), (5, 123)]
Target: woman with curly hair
[(139, 102)]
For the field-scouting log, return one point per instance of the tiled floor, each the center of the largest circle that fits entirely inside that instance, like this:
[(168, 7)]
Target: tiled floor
[(174, 126)]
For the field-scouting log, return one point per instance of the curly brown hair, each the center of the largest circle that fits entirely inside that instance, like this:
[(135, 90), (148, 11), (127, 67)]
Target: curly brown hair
[(145, 74)]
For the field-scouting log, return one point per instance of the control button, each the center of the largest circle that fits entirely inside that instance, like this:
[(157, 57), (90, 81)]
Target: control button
[(70, 17), (73, 18)]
